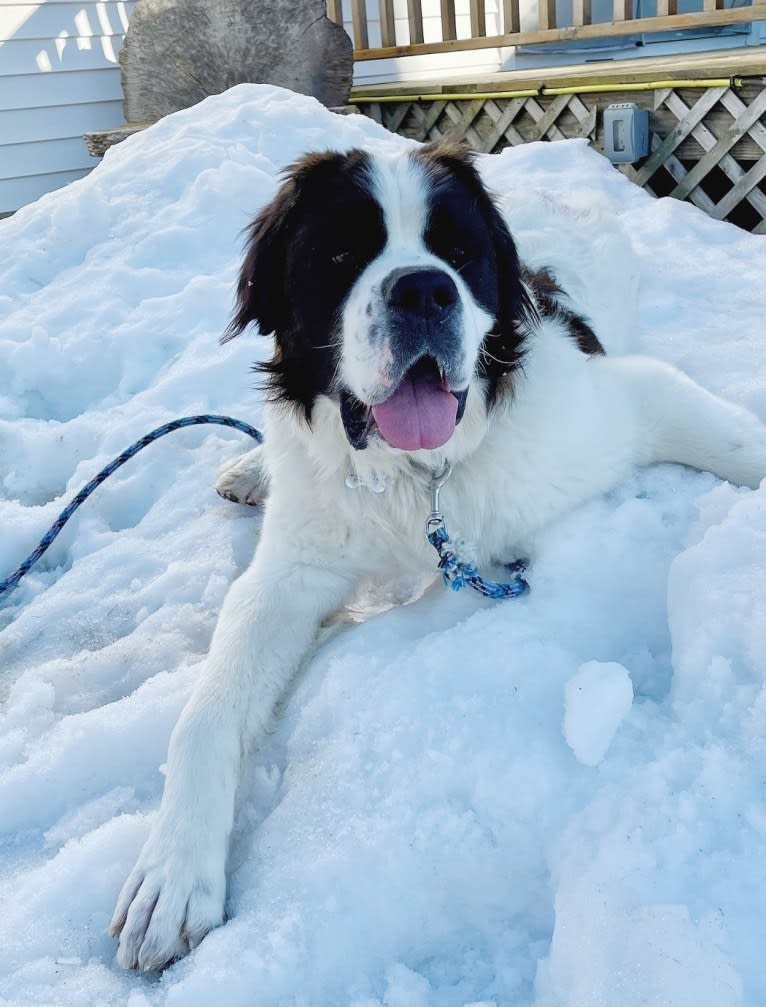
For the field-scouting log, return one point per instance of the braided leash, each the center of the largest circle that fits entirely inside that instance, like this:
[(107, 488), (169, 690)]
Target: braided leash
[(85, 492), (458, 573)]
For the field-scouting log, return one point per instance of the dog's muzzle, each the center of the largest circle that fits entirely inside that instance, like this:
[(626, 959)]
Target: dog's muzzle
[(423, 334)]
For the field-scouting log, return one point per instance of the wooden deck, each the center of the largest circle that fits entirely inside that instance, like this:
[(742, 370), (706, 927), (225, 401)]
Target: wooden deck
[(742, 62), (432, 27)]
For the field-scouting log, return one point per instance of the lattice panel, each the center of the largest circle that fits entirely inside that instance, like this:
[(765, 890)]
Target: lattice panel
[(706, 171), (708, 145), (489, 125)]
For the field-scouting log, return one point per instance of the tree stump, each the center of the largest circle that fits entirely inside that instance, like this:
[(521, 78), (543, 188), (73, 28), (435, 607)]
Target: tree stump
[(177, 52)]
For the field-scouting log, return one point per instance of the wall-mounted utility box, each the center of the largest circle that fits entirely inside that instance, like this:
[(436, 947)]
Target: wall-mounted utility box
[(626, 133)]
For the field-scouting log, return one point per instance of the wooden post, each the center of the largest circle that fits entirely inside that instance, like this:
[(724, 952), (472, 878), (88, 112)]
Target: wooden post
[(387, 25), (415, 18), (359, 23), (478, 19), (449, 29), (622, 10), (335, 11), (547, 13), (511, 21), (665, 7), (581, 12)]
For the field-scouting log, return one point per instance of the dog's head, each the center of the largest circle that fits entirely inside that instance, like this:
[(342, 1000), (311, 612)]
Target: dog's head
[(390, 285)]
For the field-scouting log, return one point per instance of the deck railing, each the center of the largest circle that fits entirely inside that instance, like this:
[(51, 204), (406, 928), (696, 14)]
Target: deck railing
[(380, 31)]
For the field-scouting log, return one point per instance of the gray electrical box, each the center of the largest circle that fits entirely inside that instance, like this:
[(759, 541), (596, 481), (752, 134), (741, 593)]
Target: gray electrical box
[(626, 133)]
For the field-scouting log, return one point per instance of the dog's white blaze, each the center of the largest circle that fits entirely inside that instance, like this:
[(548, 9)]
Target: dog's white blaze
[(401, 187)]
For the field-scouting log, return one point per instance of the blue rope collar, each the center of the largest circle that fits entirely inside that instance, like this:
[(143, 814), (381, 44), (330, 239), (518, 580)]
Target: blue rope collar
[(460, 572)]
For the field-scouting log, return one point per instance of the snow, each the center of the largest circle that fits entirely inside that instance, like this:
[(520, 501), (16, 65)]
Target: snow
[(597, 699), (460, 805)]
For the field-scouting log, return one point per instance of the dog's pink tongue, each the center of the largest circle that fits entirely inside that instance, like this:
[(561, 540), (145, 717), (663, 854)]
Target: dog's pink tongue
[(420, 414)]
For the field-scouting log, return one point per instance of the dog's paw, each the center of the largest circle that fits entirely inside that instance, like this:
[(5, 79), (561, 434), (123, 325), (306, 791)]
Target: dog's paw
[(166, 907), (246, 481)]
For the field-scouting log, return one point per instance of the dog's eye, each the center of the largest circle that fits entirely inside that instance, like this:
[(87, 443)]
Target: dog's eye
[(345, 258), (457, 256)]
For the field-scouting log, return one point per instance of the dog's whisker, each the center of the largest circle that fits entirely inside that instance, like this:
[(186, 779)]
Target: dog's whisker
[(485, 353)]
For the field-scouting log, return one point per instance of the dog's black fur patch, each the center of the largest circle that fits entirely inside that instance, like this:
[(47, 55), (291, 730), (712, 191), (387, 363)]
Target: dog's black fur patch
[(466, 229), (304, 252), (550, 298)]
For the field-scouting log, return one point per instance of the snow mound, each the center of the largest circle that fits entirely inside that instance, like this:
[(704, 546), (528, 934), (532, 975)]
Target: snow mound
[(416, 832)]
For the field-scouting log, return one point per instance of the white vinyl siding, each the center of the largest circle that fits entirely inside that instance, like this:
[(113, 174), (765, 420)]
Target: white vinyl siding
[(59, 78)]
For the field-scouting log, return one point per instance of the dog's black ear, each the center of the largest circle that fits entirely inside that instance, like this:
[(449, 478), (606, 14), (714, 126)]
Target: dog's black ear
[(515, 305), (260, 294), (262, 289), (515, 308)]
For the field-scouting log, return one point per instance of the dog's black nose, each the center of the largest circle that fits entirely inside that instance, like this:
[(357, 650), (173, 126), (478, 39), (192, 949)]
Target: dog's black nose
[(427, 293)]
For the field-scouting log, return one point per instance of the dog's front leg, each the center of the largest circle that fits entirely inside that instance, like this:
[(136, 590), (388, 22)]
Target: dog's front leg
[(175, 894)]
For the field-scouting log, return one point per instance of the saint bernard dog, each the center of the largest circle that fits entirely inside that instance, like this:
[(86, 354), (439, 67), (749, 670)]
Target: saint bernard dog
[(407, 333)]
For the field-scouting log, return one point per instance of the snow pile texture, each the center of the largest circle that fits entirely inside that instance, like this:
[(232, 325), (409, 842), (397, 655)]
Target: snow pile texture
[(420, 829)]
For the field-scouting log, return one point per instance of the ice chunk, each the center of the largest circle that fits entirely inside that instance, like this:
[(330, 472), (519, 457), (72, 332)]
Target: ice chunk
[(598, 698)]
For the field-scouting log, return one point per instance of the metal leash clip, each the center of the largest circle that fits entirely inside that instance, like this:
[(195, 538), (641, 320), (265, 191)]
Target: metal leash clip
[(458, 571), (438, 479)]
